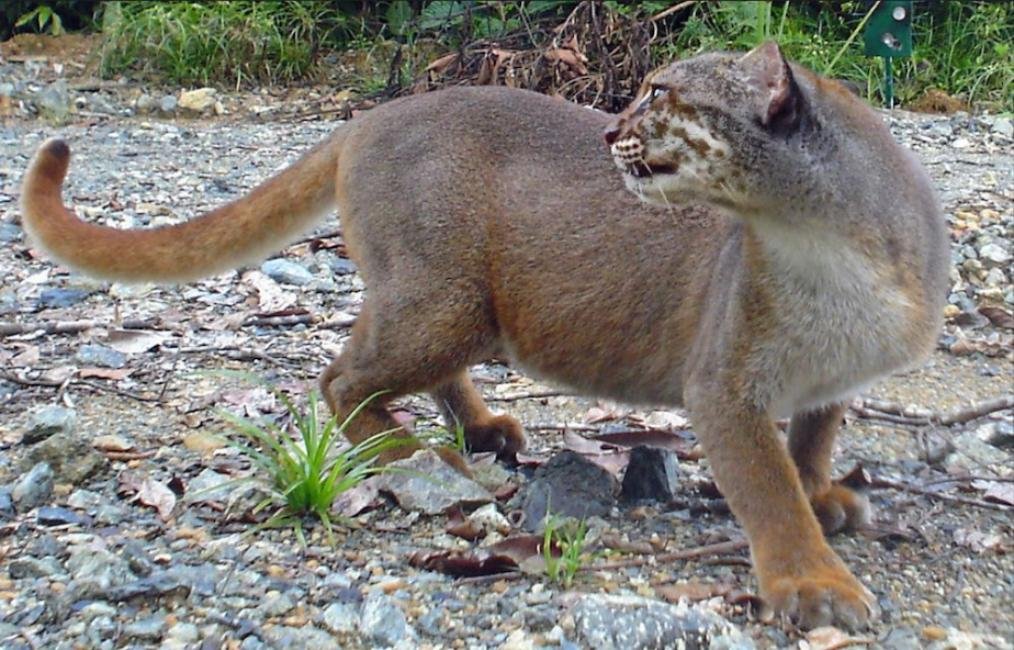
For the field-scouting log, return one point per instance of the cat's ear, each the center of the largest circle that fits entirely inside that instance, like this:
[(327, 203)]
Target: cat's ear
[(776, 95)]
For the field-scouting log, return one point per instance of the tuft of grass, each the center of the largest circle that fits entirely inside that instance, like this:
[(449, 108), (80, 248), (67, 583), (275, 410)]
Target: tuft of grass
[(276, 41), (303, 475), (569, 537)]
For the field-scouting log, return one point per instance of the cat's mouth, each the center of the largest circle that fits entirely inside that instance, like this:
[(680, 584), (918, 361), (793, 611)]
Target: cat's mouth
[(641, 169)]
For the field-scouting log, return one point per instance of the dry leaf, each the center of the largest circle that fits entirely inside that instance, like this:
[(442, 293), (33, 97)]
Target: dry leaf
[(979, 541), (996, 491), (358, 498), (115, 374), (27, 357), (831, 638), (159, 496), (271, 296), (692, 591), (998, 316), (135, 341)]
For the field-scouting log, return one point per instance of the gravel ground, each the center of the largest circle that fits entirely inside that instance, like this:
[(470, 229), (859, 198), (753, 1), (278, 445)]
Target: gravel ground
[(107, 432)]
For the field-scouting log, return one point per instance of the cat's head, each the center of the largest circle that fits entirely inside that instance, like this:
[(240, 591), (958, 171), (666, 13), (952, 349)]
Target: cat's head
[(729, 129)]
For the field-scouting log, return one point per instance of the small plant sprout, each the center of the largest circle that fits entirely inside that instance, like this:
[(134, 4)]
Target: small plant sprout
[(304, 474), (563, 549)]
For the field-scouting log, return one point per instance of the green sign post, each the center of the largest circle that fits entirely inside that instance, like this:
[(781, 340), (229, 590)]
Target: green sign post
[(888, 34)]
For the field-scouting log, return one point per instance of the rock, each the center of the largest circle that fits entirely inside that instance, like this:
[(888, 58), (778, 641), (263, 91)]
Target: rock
[(283, 636), (30, 567), (383, 623), (651, 474), (204, 442), (199, 100), (58, 297), (94, 572), (112, 442), (47, 421), (6, 504), (34, 488), (71, 458), (185, 632), (144, 104), (57, 516), (971, 454), (427, 484), (275, 603), (999, 434), (994, 255), (995, 278), (53, 102), (286, 272), (489, 519), (341, 618), (145, 629), (92, 354), (209, 485), (167, 105), (342, 266), (1004, 127), (10, 233), (570, 486), (631, 622), (961, 143)]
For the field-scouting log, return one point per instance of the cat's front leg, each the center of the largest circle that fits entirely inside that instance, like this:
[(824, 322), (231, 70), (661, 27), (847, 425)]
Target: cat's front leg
[(800, 576)]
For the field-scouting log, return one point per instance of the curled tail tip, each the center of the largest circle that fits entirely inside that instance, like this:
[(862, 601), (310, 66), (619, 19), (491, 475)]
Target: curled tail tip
[(56, 148)]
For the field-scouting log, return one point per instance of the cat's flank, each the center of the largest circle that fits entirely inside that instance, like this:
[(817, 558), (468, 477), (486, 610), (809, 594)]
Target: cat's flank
[(765, 250)]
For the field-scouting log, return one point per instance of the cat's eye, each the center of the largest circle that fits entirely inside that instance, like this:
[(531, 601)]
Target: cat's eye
[(656, 92)]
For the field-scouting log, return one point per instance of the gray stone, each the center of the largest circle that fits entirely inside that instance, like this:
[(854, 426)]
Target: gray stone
[(59, 297), (281, 636), (168, 104), (383, 623), (209, 485), (342, 266), (10, 233), (57, 516), (186, 632), (144, 103), (341, 618), (275, 604), (92, 354), (653, 473), (286, 272), (999, 434), (72, 459), (145, 629), (631, 623), (198, 100), (34, 488), (30, 567), (6, 503), (48, 421), (53, 102), (994, 255), (568, 485), (94, 571), (900, 639), (1004, 127), (427, 484)]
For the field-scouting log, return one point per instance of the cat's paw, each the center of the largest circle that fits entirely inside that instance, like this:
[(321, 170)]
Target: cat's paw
[(501, 433), (829, 595), (840, 509)]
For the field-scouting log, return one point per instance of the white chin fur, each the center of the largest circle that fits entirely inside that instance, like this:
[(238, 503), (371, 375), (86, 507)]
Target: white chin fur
[(655, 190)]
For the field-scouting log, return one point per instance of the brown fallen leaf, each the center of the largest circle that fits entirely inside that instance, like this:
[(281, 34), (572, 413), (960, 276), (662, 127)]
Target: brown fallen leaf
[(157, 495), (135, 341), (692, 591), (831, 638), (463, 563), (996, 491), (459, 526), (114, 374), (998, 316)]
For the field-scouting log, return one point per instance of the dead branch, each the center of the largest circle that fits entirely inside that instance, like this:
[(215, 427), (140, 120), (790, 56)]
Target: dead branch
[(62, 385), (524, 396), (917, 417), (671, 10), (721, 548), (953, 498), (71, 327)]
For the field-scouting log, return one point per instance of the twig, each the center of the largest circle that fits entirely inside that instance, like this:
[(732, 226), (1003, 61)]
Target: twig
[(492, 577), (70, 327), (671, 10), (280, 321), (900, 414), (953, 498), (721, 548), (49, 383), (522, 396)]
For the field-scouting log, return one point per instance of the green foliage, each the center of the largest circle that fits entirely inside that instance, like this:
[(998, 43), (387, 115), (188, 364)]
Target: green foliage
[(52, 16), (569, 538), (235, 41), (45, 17), (304, 475)]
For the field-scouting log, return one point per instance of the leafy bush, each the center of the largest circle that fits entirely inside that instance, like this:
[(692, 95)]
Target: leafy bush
[(69, 14)]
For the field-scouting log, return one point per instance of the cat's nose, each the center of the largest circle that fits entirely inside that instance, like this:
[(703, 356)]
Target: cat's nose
[(612, 132)]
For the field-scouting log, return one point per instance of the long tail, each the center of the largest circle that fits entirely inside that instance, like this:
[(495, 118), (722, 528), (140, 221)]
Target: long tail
[(243, 231)]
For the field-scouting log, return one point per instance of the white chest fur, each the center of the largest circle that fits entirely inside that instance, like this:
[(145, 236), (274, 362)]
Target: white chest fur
[(842, 323)]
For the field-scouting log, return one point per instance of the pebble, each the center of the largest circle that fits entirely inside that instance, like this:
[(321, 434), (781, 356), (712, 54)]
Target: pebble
[(425, 483), (1004, 127), (653, 474), (285, 271), (58, 298), (994, 255), (58, 516), (168, 104), (185, 632), (47, 421), (198, 100), (93, 354), (53, 102), (571, 486), (10, 233), (341, 618), (6, 503), (33, 488), (29, 567), (71, 458), (145, 629), (383, 622)]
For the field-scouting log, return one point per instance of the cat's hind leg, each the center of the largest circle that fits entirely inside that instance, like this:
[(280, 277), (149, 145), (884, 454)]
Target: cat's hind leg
[(462, 405)]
